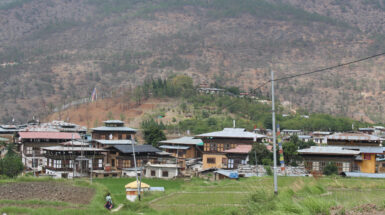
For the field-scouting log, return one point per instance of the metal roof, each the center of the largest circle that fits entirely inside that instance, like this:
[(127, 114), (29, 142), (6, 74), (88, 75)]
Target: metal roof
[(78, 149), (329, 150), (240, 149), (114, 121), (322, 132), (227, 173), (184, 141), (240, 133), (304, 136), (353, 136), (364, 175), (48, 135), (114, 142), (174, 147), (107, 128), (138, 148), (74, 143), (366, 149)]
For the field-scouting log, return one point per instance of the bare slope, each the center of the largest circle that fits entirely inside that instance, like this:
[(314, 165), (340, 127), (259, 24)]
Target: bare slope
[(52, 52)]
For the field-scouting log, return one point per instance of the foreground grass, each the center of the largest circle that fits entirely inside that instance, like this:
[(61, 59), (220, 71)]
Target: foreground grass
[(297, 195)]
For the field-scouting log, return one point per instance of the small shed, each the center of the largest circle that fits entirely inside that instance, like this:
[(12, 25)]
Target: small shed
[(132, 190)]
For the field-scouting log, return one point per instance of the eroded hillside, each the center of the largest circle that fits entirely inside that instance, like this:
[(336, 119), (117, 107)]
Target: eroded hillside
[(53, 52)]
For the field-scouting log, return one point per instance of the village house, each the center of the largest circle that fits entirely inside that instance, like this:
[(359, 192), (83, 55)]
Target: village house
[(165, 171), (212, 91), (290, 132), (121, 156), (183, 148), (224, 149), (366, 146), (31, 143), (320, 137), (72, 160)]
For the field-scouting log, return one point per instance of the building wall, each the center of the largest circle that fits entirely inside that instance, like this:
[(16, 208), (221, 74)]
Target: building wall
[(172, 172), (218, 161), (116, 135), (368, 166)]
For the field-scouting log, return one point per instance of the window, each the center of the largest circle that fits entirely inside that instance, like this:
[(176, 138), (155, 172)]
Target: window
[(230, 163), (113, 162), (90, 164), (71, 164), (211, 160), (152, 172), (220, 147), (120, 136), (49, 162), (367, 157), (316, 166), (207, 147), (164, 173), (346, 167), (243, 162), (54, 164), (100, 163), (35, 163), (59, 164), (29, 150)]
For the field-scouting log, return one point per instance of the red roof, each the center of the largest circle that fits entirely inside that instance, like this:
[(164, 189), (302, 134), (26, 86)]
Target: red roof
[(48, 135), (240, 149)]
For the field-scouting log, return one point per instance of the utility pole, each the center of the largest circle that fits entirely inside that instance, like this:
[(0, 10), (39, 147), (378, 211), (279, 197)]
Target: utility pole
[(274, 134), (136, 169)]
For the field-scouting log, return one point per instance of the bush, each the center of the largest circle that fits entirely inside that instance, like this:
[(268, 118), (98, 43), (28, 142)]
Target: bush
[(330, 169)]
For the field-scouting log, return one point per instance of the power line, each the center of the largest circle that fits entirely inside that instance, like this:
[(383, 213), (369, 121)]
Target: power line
[(312, 72)]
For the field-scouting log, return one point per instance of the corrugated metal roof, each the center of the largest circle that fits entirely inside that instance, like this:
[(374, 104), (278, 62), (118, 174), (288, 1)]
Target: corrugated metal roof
[(364, 175), (49, 135), (184, 141), (174, 147), (240, 149), (114, 121), (240, 133), (114, 142), (353, 136), (138, 148), (330, 150), (107, 128), (74, 143), (227, 173), (77, 149), (366, 149)]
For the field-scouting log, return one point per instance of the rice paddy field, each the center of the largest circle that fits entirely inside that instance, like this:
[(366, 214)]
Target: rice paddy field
[(297, 195)]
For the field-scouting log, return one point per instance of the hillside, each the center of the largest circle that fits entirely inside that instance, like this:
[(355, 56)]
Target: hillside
[(53, 52)]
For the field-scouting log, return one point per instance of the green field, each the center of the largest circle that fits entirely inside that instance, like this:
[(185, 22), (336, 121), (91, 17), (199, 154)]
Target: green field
[(297, 195)]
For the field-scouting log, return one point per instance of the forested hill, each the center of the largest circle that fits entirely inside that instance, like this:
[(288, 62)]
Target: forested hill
[(56, 51)]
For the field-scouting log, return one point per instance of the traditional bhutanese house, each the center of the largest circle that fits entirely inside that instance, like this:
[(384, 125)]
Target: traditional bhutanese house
[(164, 171), (183, 148), (31, 143), (317, 157), (238, 155), (113, 130), (320, 137), (366, 130), (121, 156), (216, 143), (368, 146), (72, 161), (132, 190)]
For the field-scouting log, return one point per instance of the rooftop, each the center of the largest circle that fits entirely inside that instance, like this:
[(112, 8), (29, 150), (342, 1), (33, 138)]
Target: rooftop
[(109, 128), (114, 122), (240, 149), (240, 133), (76, 149), (49, 135), (183, 141), (174, 147), (329, 150), (138, 148), (114, 142), (353, 136)]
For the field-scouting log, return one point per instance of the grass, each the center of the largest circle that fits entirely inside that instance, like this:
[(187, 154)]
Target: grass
[(297, 195)]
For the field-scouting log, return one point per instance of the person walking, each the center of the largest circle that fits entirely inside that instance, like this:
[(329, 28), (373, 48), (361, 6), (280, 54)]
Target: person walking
[(108, 204)]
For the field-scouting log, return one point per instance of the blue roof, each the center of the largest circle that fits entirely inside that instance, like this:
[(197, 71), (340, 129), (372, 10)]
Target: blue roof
[(228, 173)]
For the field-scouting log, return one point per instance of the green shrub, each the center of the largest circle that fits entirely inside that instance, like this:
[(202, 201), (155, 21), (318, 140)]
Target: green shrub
[(330, 169)]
